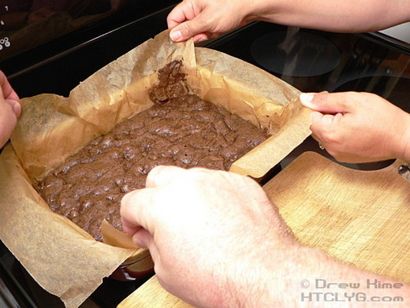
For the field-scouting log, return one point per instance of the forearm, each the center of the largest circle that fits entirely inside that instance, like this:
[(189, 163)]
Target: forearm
[(308, 277), (333, 282), (333, 15)]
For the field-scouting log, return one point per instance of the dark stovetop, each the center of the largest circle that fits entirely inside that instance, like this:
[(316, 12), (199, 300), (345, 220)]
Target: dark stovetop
[(309, 60), (314, 61)]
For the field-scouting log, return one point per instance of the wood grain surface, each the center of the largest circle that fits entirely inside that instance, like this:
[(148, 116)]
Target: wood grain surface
[(152, 295), (359, 217)]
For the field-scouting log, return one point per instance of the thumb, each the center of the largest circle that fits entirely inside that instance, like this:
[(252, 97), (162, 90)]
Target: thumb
[(8, 95), (324, 102), (189, 29)]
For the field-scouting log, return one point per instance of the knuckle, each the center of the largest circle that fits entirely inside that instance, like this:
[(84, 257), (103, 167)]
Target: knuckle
[(198, 174), (153, 175), (155, 172), (127, 202), (187, 29), (169, 21)]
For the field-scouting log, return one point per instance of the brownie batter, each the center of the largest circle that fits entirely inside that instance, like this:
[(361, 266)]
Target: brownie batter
[(180, 130)]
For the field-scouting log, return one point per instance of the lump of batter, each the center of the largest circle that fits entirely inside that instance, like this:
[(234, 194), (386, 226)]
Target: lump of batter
[(180, 130)]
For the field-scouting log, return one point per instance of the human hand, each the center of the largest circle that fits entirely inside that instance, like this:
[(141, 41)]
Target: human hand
[(215, 238), (10, 109), (359, 127), (205, 19)]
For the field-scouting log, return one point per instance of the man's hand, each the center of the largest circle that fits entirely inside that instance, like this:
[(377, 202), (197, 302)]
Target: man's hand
[(359, 127), (217, 241), (205, 19), (10, 109), (215, 238)]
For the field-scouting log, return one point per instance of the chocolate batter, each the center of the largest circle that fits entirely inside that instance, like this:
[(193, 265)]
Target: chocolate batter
[(180, 130)]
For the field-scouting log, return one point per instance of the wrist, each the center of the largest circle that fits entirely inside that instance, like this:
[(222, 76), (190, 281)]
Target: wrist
[(260, 10)]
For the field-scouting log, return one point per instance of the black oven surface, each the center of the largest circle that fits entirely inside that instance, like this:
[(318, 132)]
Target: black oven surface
[(31, 30), (309, 60), (32, 73)]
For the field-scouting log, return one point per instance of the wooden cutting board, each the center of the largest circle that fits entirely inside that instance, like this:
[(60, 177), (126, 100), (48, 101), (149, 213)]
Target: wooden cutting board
[(360, 217)]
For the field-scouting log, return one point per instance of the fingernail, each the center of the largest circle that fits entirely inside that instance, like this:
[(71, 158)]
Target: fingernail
[(175, 35), (306, 99)]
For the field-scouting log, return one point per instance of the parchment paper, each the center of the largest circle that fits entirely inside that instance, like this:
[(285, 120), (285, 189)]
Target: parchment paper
[(64, 259)]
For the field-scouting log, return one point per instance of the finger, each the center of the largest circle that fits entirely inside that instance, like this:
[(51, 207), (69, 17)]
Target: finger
[(7, 90), (322, 124), (8, 94), (137, 210), (322, 120), (142, 238), (129, 227), (327, 102), (163, 175), (189, 29), (179, 14), (15, 105), (326, 121), (337, 118), (200, 37), (316, 116)]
